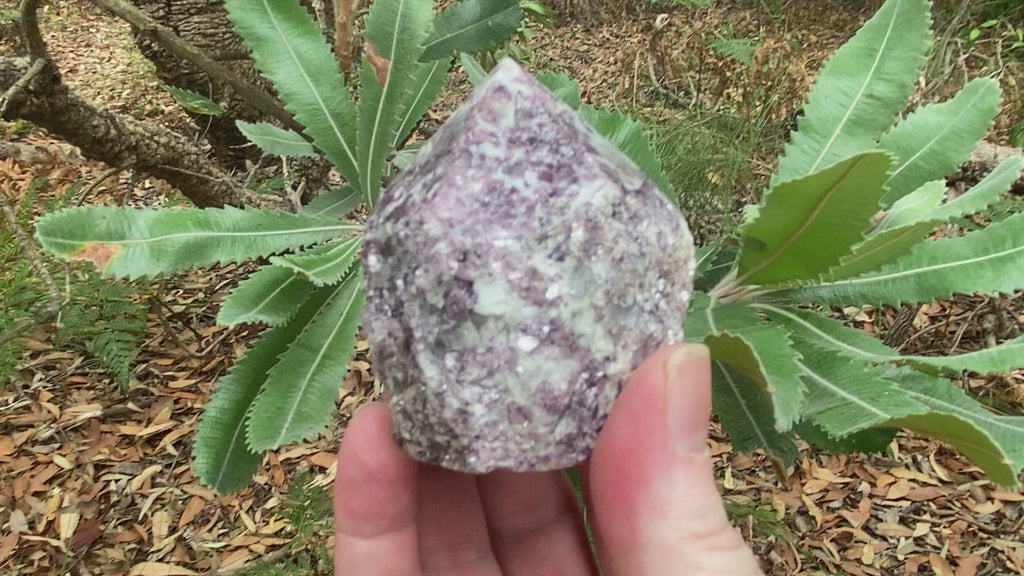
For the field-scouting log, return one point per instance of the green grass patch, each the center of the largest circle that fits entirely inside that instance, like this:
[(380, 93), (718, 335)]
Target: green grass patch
[(707, 158), (309, 513)]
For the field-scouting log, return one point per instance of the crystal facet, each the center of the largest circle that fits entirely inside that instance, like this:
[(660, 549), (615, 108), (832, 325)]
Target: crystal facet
[(516, 273)]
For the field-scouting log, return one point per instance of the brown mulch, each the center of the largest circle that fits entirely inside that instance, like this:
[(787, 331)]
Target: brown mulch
[(94, 480)]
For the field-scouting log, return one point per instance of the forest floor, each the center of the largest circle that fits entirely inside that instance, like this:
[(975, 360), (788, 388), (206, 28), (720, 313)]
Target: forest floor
[(95, 479)]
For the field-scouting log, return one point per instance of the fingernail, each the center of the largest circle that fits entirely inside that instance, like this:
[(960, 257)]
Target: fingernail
[(688, 404)]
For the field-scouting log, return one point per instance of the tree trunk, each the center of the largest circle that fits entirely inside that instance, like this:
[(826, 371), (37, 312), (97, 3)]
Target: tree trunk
[(204, 24), (119, 140)]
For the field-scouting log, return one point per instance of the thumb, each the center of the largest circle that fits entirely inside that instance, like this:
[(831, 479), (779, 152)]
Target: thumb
[(656, 508)]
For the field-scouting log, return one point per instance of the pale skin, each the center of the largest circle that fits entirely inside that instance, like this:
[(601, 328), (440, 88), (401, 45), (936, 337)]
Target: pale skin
[(649, 486)]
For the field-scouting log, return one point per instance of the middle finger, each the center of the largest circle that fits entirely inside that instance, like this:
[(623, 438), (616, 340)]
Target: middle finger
[(453, 538)]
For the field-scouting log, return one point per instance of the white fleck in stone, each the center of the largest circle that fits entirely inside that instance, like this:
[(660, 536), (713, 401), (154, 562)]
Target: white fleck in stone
[(527, 343)]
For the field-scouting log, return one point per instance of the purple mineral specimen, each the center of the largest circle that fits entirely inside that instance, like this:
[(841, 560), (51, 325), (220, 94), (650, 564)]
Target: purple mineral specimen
[(516, 273)]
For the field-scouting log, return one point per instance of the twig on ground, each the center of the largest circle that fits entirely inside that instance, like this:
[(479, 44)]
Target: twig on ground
[(89, 189)]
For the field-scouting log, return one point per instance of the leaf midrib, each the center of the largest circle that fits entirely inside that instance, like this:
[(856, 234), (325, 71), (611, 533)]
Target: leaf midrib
[(924, 270), (307, 379), (415, 101), (838, 391), (949, 126), (860, 255), (822, 334), (811, 219), (312, 85), (860, 93), (478, 23), (270, 297), (371, 180), (167, 237), (762, 439)]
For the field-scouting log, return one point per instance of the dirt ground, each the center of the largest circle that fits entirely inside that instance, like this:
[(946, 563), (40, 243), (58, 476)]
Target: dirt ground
[(94, 480)]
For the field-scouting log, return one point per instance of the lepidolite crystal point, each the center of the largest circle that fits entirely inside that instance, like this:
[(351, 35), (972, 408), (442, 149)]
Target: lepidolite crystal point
[(516, 273)]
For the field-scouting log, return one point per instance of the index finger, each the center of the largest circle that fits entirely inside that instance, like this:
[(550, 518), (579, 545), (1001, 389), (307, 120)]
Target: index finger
[(374, 500)]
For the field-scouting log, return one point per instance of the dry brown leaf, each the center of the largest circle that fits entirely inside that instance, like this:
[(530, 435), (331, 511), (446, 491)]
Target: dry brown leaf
[(891, 530), (87, 532), (159, 569), (898, 490), (139, 481), (940, 565), (194, 506), (968, 565), (323, 459)]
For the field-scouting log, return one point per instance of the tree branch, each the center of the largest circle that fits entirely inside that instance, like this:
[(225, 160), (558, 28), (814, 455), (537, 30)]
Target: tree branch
[(343, 34), (123, 141), (215, 71), (14, 92), (30, 29)]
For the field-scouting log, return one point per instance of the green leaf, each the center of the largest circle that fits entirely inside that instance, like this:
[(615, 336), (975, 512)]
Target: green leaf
[(714, 262), (291, 52), (914, 207), (809, 327), (995, 443), (271, 295), (324, 264), (394, 34), (334, 203), (193, 102), (865, 441), (275, 141), (222, 458), (739, 49), (474, 71), (301, 392), (986, 261), (709, 317), (934, 140), (843, 397), (879, 249), (805, 226), (629, 136), (471, 26), (860, 90), (765, 355), (744, 410), (567, 89), (738, 336), (404, 157), (430, 80), (984, 193), (131, 242)]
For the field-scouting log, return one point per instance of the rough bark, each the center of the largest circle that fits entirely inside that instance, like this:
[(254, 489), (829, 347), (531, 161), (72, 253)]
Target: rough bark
[(205, 25), (120, 140)]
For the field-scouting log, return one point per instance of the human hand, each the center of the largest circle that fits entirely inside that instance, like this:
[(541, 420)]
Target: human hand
[(649, 488)]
